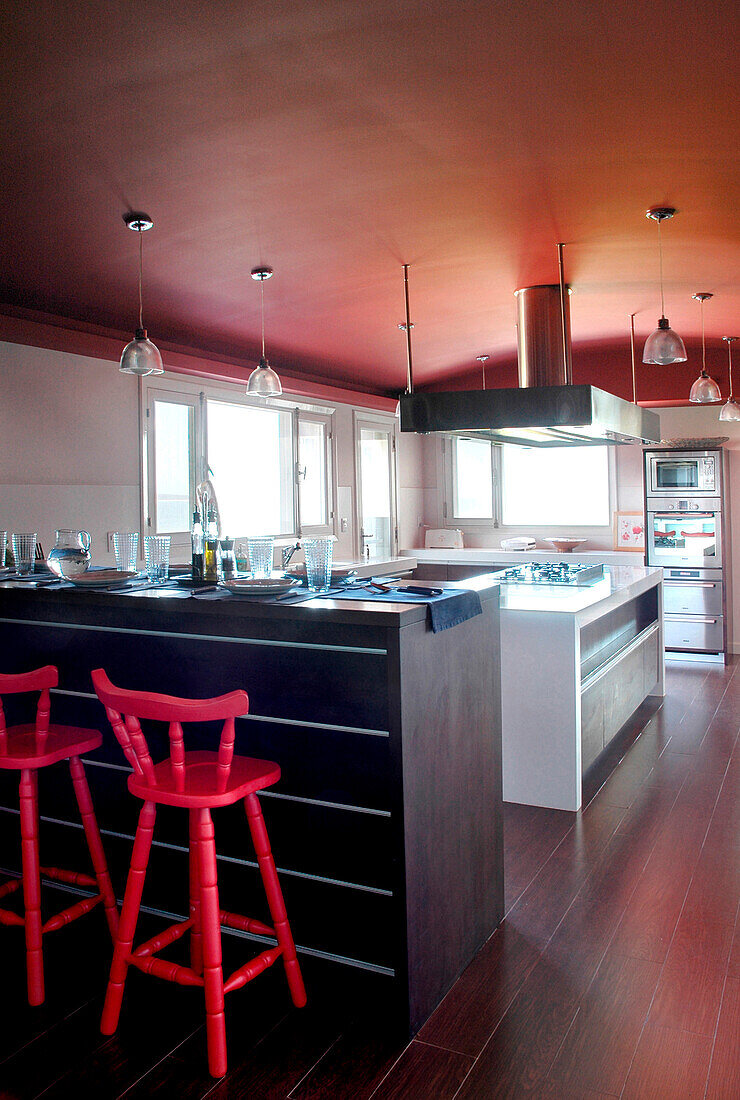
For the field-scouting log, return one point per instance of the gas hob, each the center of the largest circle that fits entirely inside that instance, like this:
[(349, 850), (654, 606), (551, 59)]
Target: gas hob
[(553, 573)]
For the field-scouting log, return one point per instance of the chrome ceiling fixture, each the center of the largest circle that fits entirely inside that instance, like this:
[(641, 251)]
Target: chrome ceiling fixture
[(705, 390), (263, 381), (663, 346), (140, 356), (730, 410), (483, 359)]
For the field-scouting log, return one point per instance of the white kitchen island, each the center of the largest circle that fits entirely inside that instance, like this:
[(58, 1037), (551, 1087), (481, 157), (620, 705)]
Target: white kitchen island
[(576, 662), (575, 665)]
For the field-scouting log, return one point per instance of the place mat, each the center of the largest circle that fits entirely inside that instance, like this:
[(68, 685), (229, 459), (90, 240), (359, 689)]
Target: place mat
[(452, 607)]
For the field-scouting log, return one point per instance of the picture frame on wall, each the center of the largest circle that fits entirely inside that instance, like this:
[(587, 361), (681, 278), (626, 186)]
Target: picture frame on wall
[(629, 532)]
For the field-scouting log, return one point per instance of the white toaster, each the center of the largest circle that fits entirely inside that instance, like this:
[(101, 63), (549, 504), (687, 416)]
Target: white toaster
[(448, 537)]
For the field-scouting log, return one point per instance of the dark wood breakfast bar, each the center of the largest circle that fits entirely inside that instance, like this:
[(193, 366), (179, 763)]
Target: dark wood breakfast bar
[(386, 825)]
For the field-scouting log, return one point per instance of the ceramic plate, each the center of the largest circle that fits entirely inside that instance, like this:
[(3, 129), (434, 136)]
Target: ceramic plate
[(251, 586), (101, 578)]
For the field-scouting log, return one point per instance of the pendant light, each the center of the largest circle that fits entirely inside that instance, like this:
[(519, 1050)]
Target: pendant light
[(705, 390), (140, 356), (730, 410), (483, 359), (663, 346), (263, 381)]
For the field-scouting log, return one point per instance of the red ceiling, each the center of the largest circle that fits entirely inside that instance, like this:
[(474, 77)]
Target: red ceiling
[(335, 140)]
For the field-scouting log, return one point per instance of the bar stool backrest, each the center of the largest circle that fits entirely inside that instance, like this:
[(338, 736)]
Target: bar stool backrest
[(124, 709), (41, 680)]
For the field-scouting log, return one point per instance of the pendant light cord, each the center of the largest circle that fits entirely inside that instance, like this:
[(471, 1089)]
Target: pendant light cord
[(262, 311), (660, 254), (703, 346), (730, 342), (141, 272)]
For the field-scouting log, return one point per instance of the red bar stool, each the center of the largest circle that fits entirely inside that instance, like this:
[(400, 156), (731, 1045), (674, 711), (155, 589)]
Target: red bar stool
[(26, 748), (198, 782)]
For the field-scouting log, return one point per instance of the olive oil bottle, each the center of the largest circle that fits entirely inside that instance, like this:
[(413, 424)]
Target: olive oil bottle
[(210, 549)]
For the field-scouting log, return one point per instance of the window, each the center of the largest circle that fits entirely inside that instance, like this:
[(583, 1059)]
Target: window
[(473, 480), (250, 459), (270, 463), (518, 486), (554, 486)]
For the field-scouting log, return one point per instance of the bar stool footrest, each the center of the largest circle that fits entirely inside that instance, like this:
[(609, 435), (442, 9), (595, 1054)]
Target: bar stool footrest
[(71, 878), (251, 969), (157, 943), (245, 924), (66, 916), (169, 971), (8, 917), (10, 886)]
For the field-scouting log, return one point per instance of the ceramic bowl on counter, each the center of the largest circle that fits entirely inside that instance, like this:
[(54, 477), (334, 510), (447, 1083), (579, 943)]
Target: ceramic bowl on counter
[(565, 544)]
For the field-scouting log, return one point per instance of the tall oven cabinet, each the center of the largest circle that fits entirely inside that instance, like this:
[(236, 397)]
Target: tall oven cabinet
[(686, 534)]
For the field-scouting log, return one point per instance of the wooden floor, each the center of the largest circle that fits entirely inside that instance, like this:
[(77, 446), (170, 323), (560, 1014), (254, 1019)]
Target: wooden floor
[(615, 974)]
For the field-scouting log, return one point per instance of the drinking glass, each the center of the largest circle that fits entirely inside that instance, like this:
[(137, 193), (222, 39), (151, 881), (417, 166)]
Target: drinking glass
[(318, 553), (260, 552), (24, 552), (126, 547), (157, 557)]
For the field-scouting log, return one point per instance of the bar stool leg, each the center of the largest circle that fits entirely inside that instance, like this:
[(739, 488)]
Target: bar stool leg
[(196, 939), (28, 798), (94, 843), (275, 899), (129, 917), (211, 930)]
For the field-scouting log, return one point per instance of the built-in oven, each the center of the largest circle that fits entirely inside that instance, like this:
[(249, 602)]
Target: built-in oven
[(683, 473), (684, 533)]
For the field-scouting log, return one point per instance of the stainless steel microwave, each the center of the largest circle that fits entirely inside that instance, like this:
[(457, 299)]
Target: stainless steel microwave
[(683, 473)]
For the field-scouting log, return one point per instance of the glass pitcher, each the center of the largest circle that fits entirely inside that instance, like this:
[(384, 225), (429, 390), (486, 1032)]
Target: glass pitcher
[(71, 553)]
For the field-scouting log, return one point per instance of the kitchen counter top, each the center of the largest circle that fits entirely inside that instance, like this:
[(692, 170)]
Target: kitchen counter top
[(495, 555), (177, 605), (620, 583)]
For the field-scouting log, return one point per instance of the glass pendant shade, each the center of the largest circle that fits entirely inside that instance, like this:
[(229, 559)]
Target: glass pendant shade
[(705, 390), (730, 410), (141, 356), (263, 381), (664, 346)]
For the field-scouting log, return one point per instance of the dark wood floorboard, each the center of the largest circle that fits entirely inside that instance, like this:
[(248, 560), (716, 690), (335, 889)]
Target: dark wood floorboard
[(616, 973)]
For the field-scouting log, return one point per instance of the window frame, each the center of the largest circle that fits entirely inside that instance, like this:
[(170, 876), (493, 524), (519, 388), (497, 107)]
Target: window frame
[(450, 519), (373, 421), (195, 393)]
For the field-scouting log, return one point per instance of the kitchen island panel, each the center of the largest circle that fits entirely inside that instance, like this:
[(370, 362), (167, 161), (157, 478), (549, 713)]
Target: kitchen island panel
[(452, 784), (364, 825)]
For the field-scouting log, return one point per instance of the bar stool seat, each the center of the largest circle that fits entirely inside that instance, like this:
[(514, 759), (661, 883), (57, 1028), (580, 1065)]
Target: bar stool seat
[(203, 777), (27, 748), (24, 750), (197, 781)]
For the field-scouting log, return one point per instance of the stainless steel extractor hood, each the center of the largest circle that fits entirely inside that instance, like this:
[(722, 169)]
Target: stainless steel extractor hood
[(546, 410)]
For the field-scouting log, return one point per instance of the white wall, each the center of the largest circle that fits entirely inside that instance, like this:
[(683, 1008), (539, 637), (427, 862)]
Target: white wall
[(69, 438), (70, 453)]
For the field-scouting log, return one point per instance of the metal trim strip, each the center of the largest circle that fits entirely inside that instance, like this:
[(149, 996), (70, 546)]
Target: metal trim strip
[(225, 859), (199, 637), (261, 718)]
